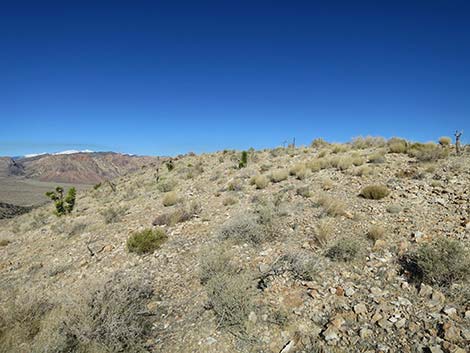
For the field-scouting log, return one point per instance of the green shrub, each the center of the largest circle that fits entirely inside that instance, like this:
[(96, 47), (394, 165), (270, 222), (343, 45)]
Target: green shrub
[(243, 160), (442, 262), (146, 241), (279, 175), (96, 186), (4, 242), (345, 249), (63, 205), (374, 192)]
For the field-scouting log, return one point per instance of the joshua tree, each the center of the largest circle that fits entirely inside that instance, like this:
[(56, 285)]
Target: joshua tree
[(457, 135), (62, 205)]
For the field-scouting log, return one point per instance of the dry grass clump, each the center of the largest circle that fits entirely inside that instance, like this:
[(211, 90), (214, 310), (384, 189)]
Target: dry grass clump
[(318, 164), (427, 152), (393, 209), (113, 214), (300, 171), (339, 148), (345, 249), (179, 215), (323, 232), (376, 158), (397, 145), (319, 143), (166, 185), (261, 181), (304, 191), (229, 200), (105, 317), (327, 184), (445, 141), (442, 262), (367, 142), (279, 175), (341, 163), (363, 170), (146, 241), (374, 192), (170, 199), (376, 232), (332, 206), (214, 261)]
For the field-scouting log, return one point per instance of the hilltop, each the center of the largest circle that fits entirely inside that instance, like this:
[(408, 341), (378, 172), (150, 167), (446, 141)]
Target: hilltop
[(328, 248)]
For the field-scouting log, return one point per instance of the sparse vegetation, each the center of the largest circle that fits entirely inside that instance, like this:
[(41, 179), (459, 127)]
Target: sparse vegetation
[(397, 145), (345, 249), (304, 266), (445, 141), (442, 262), (113, 214), (427, 152), (304, 191), (243, 160), (146, 241), (374, 192), (166, 185)]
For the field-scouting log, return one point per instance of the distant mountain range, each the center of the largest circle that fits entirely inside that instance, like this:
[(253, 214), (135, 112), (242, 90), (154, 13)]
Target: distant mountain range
[(82, 167)]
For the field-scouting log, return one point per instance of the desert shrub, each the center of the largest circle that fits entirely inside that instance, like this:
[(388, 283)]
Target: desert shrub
[(445, 141), (171, 218), (442, 262), (279, 175), (327, 184), (332, 206), (397, 145), (170, 199), (260, 181), (345, 249), (113, 214), (4, 242), (244, 227), (303, 265), (376, 232), (342, 163), (231, 296), (166, 185), (304, 191), (318, 143), (234, 185), (63, 205), (96, 186), (376, 158), (229, 200), (146, 241), (374, 192), (215, 261), (427, 152), (357, 160)]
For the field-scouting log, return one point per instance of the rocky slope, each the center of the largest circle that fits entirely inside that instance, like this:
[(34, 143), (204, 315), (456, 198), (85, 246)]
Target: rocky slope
[(280, 256)]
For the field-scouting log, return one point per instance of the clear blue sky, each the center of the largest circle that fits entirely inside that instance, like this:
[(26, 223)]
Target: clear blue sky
[(166, 77)]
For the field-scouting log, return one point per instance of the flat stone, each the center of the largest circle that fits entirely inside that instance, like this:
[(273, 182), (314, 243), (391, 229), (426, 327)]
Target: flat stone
[(435, 349), (400, 323), (360, 309), (437, 298), (331, 333), (451, 332), (376, 317), (366, 333), (425, 290), (451, 312)]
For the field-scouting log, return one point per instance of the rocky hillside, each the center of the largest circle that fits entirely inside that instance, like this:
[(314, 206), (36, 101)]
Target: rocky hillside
[(361, 247), (83, 168)]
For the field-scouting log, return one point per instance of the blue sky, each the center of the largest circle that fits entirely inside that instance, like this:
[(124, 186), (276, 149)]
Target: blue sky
[(168, 77)]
